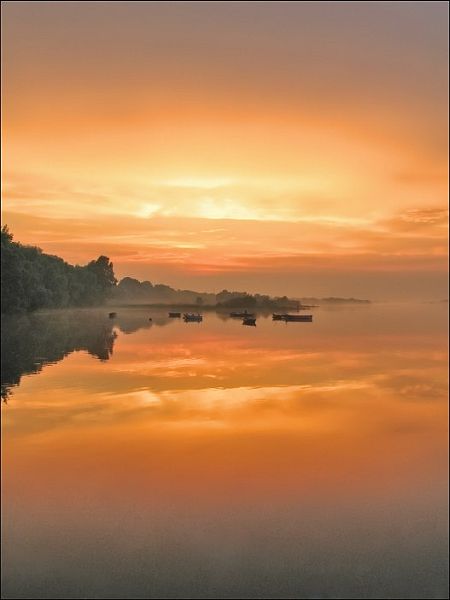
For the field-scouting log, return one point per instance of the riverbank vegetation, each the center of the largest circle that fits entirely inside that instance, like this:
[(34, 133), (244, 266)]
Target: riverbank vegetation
[(32, 279)]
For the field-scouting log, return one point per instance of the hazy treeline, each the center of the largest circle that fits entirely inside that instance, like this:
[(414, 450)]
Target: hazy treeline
[(132, 291), (237, 300), (333, 300), (32, 279)]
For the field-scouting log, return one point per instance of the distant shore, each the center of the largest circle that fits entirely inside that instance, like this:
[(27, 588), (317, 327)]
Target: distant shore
[(312, 303)]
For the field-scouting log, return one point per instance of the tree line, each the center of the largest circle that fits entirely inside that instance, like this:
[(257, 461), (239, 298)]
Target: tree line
[(32, 279)]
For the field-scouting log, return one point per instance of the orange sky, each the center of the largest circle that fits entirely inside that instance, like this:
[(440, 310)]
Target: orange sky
[(295, 148)]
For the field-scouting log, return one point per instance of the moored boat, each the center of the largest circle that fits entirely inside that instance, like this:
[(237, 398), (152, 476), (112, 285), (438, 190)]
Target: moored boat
[(187, 317), (303, 318), (287, 317), (112, 315), (249, 321)]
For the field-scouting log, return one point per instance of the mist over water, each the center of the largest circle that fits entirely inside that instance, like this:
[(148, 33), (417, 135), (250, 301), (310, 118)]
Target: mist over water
[(149, 459)]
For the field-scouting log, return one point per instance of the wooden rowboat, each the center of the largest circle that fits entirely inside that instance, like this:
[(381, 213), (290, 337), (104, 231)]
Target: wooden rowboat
[(299, 318), (292, 318), (192, 318)]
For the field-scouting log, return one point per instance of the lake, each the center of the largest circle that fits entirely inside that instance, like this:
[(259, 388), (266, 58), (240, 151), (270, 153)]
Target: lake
[(163, 459)]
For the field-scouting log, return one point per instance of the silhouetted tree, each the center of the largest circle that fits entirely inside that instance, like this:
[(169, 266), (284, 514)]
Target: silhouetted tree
[(32, 279)]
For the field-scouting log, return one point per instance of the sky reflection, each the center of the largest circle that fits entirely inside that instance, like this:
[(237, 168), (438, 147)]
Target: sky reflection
[(309, 458)]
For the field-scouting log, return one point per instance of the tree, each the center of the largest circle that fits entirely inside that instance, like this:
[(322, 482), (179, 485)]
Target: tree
[(32, 279)]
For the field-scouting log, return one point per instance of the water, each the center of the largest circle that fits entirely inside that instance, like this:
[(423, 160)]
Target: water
[(181, 460)]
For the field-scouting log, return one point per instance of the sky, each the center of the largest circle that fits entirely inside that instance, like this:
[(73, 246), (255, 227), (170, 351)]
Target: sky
[(294, 148)]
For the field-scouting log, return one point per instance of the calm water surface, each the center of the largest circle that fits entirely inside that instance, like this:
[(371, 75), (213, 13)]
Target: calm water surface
[(171, 460)]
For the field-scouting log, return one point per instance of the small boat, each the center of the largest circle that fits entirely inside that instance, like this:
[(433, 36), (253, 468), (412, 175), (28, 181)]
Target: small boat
[(192, 318), (112, 315), (301, 318), (242, 315), (174, 315), (249, 321), (286, 317)]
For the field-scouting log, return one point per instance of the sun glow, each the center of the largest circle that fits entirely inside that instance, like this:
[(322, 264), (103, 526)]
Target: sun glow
[(206, 183)]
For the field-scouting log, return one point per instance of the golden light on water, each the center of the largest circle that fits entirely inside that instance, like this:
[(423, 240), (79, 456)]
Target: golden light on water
[(240, 452)]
